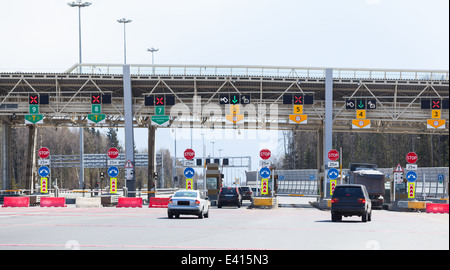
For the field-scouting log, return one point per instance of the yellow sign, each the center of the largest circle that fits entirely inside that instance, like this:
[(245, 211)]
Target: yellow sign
[(298, 119), (264, 186), (333, 184), (436, 114), (436, 123), (234, 109), (361, 114), (298, 109), (44, 185), (235, 118), (360, 123), (411, 190), (113, 185), (189, 184)]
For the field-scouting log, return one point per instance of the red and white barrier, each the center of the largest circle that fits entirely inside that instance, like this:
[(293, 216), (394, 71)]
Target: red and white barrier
[(16, 202), (129, 202), (158, 202), (441, 208), (53, 202)]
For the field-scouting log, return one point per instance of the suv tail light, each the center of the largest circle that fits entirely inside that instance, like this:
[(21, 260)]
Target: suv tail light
[(197, 202), (334, 200), (362, 200)]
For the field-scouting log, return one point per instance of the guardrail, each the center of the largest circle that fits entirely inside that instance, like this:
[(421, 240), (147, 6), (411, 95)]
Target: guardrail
[(261, 71)]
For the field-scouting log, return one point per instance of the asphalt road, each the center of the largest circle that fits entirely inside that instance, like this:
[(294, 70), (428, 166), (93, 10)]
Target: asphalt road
[(296, 226)]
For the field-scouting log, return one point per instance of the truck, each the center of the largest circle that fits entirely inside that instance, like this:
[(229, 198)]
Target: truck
[(368, 175)]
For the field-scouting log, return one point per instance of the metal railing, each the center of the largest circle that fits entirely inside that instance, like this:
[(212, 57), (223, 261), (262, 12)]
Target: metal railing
[(261, 71)]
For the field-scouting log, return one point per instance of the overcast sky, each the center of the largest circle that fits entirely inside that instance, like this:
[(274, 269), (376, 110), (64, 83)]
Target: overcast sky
[(42, 35)]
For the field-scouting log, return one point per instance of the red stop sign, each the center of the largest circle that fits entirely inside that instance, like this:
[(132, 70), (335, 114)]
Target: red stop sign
[(265, 154), (189, 154), (113, 152), (333, 155), (44, 152), (411, 157)]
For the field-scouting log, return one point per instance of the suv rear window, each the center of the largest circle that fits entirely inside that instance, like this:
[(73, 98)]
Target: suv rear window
[(348, 192), (245, 189), (228, 191)]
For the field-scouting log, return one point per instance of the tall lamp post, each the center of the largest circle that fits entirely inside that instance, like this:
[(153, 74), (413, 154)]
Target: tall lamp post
[(153, 50), (80, 5), (124, 21)]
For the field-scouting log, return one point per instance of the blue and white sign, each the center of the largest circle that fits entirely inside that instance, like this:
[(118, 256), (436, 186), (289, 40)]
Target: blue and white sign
[(264, 172), (333, 173), (440, 178), (189, 173), (44, 171), (411, 176), (113, 171)]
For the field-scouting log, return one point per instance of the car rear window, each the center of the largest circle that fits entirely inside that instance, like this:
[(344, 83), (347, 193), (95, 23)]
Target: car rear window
[(185, 194), (348, 192), (245, 189), (228, 191)]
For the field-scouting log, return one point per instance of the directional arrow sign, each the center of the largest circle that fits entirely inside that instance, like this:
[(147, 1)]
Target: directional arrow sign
[(189, 172), (44, 171), (333, 173), (34, 119), (411, 176), (264, 172), (113, 171), (96, 118), (161, 120)]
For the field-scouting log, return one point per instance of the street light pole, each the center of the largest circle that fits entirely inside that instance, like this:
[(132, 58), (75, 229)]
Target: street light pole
[(80, 5), (124, 21), (153, 50)]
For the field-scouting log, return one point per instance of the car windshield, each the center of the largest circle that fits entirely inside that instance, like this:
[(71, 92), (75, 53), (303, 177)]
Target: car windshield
[(228, 190), (189, 194), (348, 192)]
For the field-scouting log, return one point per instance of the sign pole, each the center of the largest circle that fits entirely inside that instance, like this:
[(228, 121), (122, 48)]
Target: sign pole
[(340, 163)]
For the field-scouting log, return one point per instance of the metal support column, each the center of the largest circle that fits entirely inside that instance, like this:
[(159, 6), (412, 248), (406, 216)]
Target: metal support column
[(31, 157), (151, 160), (129, 132), (5, 153), (328, 130)]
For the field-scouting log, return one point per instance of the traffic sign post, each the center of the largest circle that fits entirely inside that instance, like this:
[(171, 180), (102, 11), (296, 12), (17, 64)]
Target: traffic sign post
[(411, 158), (113, 185), (265, 154), (333, 173), (189, 184), (113, 171), (44, 185), (333, 155), (333, 184), (44, 152), (411, 176), (189, 172), (265, 172), (189, 154), (113, 153), (265, 186)]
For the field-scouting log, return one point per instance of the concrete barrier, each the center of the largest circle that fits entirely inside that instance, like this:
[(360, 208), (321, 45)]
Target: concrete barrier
[(437, 208), (82, 202)]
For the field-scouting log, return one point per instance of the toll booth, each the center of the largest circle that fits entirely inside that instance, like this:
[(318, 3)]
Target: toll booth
[(213, 181)]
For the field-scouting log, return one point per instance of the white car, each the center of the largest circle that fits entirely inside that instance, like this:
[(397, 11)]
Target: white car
[(188, 202)]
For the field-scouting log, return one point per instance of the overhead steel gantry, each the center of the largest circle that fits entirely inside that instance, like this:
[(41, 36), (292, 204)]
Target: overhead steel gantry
[(197, 90)]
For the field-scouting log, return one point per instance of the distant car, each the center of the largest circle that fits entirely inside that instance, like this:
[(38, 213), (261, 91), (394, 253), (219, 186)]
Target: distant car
[(351, 200), (188, 202), (246, 193), (229, 196)]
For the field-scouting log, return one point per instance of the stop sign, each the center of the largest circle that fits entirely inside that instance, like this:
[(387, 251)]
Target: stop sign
[(265, 154), (333, 155), (44, 152), (411, 157), (113, 152), (189, 154)]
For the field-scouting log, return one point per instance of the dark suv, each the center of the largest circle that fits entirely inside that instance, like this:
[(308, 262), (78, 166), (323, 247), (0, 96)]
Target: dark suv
[(229, 196), (246, 193), (351, 200)]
